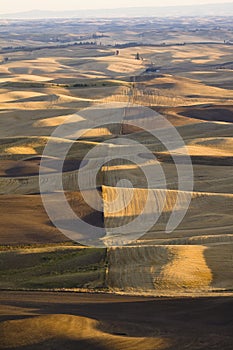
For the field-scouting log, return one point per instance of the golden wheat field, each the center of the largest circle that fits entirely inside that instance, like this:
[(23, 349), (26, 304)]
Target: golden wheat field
[(156, 289)]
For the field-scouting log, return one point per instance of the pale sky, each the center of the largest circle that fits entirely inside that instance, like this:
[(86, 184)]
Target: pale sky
[(7, 6)]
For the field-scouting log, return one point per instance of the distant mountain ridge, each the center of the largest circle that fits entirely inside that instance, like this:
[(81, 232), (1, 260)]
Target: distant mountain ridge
[(224, 9)]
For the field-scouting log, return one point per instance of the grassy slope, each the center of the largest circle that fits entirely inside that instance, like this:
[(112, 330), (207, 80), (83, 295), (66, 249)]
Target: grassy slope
[(54, 266)]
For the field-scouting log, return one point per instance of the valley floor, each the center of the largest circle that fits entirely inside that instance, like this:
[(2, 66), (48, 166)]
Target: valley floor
[(35, 320)]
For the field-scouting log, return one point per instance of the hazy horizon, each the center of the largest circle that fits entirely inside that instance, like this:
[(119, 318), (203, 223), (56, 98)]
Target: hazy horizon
[(13, 6)]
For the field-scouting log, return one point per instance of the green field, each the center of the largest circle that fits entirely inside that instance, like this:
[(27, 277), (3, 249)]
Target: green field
[(51, 267)]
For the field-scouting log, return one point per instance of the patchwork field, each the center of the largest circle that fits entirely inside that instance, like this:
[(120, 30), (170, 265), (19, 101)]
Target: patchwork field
[(42, 86), (181, 69)]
